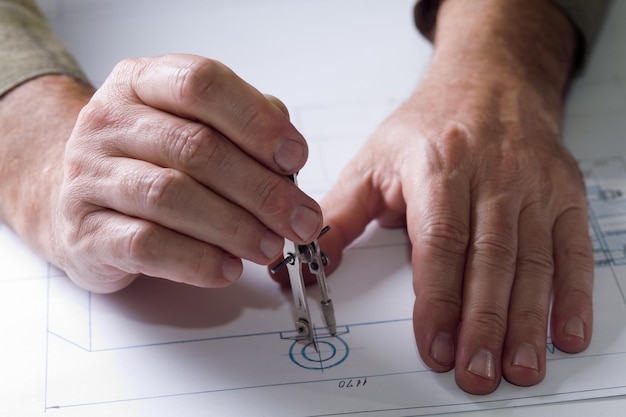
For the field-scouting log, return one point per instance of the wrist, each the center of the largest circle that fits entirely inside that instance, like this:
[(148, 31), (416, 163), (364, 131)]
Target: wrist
[(36, 119), (513, 42)]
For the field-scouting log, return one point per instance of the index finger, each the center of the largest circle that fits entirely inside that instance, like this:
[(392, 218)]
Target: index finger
[(438, 225), (207, 91), (348, 208)]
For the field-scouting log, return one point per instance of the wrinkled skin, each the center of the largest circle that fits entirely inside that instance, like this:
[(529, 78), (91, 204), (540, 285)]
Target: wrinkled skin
[(175, 168), (494, 205), (497, 221)]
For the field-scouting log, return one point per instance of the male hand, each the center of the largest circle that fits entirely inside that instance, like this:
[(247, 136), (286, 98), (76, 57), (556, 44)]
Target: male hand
[(494, 205), (176, 168), (496, 214)]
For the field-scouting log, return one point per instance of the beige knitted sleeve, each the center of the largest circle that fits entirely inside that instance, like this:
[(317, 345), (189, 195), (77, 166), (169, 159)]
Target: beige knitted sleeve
[(28, 47)]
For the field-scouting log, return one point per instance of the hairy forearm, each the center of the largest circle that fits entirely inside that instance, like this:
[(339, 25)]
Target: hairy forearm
[(36, 119), (505, 42)]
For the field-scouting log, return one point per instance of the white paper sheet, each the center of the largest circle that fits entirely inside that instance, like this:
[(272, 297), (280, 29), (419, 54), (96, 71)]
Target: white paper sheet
[(232, 351), (160, 348)]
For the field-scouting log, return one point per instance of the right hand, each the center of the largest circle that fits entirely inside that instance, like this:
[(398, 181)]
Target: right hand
[(176, 168)]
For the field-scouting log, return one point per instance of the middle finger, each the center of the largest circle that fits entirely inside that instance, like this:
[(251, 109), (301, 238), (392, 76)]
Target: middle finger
[(489, 276), (215, 162), (172, 199)]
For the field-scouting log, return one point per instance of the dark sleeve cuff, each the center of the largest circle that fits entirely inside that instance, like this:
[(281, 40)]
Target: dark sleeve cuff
[(425, 15), (585, 15)]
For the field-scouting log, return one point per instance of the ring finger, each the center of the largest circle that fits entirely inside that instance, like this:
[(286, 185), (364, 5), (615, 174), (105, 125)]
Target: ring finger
[(176, 201)]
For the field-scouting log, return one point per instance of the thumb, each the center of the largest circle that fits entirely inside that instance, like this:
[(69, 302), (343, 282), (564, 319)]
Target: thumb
[(348, 208)]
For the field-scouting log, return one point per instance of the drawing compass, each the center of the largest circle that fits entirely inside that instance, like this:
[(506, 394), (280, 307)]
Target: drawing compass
[(295, 257)]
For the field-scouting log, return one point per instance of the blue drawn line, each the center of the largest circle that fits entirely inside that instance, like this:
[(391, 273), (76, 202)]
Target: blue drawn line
[(90, 322), (221, 390), (611, 242), (178, 342), (289, 334), (69, 341), (446, 407), (608, 259), (216, 391), (45, 395), (331, 352)]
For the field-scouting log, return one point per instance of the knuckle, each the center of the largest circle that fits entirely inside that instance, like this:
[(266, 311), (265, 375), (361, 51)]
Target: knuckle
[(74, 241), (448, 152), (202, 265), (578, 295), (71, 233), (577, 248), (489, 319), (514, 158), (125, 76), (235, 226), (193, 145), (72, 206), (445, 235), (511, 167), (536, 261), (199, 270), (565, 169), (271, 198), (77, 173), (442, 302), (278, 103), (195, 79), (507, 176), (77, 215), (577, 253), (139, 238), (160, 189), (94, 117), (255, 121), (564, 185), (529, 317), (495, 249)]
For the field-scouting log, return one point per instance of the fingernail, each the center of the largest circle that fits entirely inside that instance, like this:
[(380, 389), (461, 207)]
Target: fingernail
[(575, 327), (305, 222), (271, 244), (482, 364), (289, 155), (232, 269), (526, 356), (442, 349)]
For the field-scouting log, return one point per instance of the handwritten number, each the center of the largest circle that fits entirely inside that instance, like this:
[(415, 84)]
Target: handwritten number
[(352, 383)]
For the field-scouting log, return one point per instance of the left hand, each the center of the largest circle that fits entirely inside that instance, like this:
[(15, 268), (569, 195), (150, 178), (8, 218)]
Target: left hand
[(496, 214), (494, 205)]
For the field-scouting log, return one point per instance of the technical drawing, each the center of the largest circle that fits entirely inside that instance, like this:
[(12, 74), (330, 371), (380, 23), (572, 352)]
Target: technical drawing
[(606, 195), (329, 352), (111, 349)]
